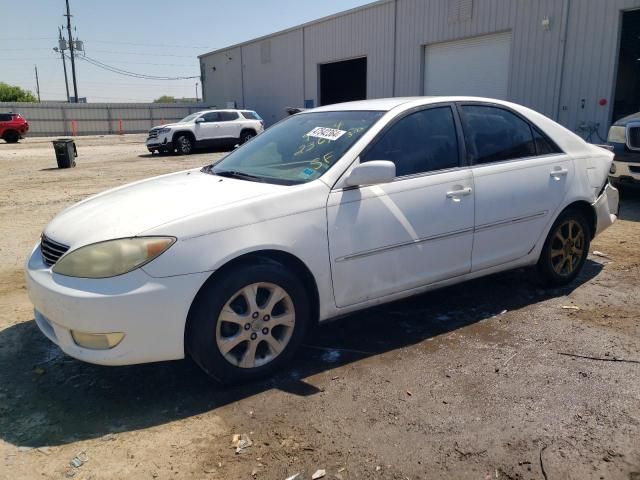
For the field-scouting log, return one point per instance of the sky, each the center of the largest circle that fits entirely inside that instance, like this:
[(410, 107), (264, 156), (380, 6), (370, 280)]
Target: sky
[(159, 37)]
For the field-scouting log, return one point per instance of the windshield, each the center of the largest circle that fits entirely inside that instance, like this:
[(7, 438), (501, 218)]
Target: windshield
[(190, 118), (298, 149)]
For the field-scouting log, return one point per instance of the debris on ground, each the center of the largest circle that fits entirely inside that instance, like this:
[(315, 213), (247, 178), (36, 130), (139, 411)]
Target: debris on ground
[(409, 393), (79, 460), (600, 254), (570, 307), (109, 437), (241, 442), (318, 474), (293, 477)]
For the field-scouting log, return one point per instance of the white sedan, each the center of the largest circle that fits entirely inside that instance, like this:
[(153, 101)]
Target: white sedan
[(330, 211)]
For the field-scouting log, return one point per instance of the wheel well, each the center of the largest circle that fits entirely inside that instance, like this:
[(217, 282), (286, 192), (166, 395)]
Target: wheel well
[(186, 133), (285, 259), (589, 213), (247, 130)]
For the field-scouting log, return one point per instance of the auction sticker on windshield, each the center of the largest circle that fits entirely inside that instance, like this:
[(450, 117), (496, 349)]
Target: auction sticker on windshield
[(326, 133)]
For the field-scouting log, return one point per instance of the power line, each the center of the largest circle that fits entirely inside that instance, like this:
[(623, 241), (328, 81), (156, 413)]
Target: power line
[(150, 44), (127, 73), (144, 54)]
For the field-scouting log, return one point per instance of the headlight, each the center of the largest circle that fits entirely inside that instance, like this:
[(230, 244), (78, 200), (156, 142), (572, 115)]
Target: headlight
[(113, 257), (617, 134), (163, 130)]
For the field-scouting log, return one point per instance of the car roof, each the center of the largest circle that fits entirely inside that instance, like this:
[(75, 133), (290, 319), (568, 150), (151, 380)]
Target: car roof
[(226, 110)]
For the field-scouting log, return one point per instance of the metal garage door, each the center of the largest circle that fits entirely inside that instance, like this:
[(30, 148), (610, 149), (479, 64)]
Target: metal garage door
[(476, 66)]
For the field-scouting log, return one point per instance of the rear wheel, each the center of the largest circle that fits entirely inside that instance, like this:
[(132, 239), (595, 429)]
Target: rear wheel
[(11, 137), (184, 145), (249, 324), (246, 136), (565, 249)]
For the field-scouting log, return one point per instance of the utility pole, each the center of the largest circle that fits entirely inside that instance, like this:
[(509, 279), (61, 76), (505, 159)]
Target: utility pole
[(196, 92), (64, 62), (73, 62), (37, 83)]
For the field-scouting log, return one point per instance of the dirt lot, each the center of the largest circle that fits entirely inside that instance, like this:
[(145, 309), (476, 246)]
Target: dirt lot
[(467, 382)]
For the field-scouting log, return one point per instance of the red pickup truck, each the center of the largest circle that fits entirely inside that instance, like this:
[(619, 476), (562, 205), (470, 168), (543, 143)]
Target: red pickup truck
[(12, 127)]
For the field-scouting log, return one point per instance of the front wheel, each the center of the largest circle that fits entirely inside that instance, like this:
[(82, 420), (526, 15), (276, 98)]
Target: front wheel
[(565, 249), (248, 324), (184, 145)]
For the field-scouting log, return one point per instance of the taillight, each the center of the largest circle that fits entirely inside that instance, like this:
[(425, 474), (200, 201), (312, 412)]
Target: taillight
[(262, 124)]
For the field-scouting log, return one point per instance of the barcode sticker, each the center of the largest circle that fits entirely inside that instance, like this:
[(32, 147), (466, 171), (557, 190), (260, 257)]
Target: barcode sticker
[(326, 133)]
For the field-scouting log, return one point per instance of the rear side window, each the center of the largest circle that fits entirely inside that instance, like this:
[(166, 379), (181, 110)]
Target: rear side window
[(544, 146), (421, 142), (251, 115), (228, 116), (493, 134), (6, 117)]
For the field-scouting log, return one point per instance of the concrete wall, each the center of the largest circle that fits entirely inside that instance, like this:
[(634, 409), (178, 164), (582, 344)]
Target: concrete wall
[(562, 71), (51, 119)]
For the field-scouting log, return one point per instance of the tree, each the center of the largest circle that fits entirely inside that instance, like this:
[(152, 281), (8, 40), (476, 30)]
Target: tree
[(11, 93), (165, 99)]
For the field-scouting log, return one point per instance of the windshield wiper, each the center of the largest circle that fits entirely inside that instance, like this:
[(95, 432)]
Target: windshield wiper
[(236, 174)]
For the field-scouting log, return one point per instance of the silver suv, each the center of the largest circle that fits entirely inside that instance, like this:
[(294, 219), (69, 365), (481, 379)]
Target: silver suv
[(206, 128)]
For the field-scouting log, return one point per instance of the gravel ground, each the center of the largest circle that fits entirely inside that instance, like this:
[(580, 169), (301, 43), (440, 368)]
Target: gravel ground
[(484, 380)]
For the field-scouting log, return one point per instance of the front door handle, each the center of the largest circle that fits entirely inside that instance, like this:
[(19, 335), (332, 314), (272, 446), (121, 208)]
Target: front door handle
[(456, 194), (559, 172)]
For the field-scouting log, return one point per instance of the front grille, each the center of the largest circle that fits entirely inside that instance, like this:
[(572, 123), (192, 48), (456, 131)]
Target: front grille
[(153, 133), (634, 169), (634, 137), (51, 251)]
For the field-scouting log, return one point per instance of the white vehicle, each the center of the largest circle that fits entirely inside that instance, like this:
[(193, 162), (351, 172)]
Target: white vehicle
[(206, 128), (330, 211)]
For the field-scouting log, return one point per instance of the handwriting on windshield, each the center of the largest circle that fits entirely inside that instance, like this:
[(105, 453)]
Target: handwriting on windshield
[(318, 144)]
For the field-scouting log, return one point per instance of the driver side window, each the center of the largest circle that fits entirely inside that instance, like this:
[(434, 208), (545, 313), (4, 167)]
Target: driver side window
[(421, 142), (210, 117)]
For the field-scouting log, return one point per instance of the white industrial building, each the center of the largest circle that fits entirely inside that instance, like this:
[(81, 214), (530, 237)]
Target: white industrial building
[(577, 61)]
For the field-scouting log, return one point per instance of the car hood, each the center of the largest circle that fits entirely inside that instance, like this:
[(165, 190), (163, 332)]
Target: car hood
[(135, 208), (635, 117), (172, 125)]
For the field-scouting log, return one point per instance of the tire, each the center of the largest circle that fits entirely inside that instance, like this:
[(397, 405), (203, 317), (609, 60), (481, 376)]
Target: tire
[(264, 337), (184, 145), (246, 135), (11, 137), (565, 249)]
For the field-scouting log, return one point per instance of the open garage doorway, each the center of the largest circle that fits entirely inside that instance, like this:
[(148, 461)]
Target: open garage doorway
[(627, 96), (343, 81)]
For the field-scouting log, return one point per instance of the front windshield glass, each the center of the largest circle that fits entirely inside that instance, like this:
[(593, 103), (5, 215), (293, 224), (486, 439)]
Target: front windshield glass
[(189, 118), (299, 149)]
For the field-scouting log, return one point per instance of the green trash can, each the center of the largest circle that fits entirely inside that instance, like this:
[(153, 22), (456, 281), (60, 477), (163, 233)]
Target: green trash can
[(66, 152)]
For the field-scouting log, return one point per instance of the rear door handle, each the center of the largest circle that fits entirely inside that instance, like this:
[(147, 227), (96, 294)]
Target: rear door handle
[(559, 172), (459, 193)]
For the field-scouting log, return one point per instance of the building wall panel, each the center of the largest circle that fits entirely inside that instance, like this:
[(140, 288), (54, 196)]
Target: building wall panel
[(273, 83)]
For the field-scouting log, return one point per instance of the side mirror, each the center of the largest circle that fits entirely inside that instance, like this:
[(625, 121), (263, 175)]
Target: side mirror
[(371, 173), (200, 120)]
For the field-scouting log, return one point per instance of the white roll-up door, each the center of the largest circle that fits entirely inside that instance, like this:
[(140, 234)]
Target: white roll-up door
[(476, 66)]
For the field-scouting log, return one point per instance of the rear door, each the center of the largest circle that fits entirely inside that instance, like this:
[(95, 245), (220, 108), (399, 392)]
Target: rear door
[(230, 125), (520, 179)]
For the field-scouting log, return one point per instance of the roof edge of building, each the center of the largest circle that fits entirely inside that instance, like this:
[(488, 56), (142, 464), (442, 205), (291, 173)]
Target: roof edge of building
[(366, 6)]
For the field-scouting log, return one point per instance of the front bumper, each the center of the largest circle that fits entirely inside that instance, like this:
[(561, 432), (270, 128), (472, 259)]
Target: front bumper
[(606, 207), (151, 312), (161, 142)]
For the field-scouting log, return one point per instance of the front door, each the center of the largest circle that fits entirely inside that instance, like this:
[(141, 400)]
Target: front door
[(416, 230), (520, 179), (208, 130)]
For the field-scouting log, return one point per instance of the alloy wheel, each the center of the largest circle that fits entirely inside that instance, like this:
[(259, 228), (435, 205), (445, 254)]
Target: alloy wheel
[(255, 325), (567, 247)]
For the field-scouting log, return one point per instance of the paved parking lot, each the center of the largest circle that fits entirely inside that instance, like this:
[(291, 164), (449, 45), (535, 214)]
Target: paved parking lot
[(492, 379)]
